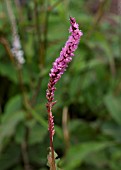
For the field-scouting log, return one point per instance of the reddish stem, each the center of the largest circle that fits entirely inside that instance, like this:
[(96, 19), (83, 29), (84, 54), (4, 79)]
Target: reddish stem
[(51, 133)]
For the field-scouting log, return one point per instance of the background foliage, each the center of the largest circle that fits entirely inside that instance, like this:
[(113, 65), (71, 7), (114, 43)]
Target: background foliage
[(88, 110)]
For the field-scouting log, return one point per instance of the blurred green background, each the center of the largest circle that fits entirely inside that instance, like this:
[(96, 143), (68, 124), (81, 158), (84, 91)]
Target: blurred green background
[(88, 110)]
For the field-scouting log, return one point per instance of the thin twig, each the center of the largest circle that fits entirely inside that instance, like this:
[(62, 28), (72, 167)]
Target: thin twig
[(18, 67), (11, 17), (37, 23), (42, 49), (19, 11), (46, 30), (98, 16), (24, 150), (65, 127), (50, 8), (51, 131), (20, 78), (5, 43), (36, 92)]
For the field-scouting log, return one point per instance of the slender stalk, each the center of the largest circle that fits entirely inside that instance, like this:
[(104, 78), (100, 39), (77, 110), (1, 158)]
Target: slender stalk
[(12, 17), (98, 17), (59, 67), (37, 24), (42, 46), (119, 13), (36, 92), (50, 8), (26, 102), (6, 45), (65, 128), (51, 133), (24, 150), (46, 30)]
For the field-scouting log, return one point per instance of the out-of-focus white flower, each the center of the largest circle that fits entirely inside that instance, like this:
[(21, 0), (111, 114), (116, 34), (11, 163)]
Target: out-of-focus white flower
[(16, 42), (17, 51), (16, 45)]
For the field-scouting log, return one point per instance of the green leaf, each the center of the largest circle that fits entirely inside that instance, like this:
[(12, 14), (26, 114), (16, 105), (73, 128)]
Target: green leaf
[(8, 127), (112, 129), (79, 152), (113, 105), (20, 133), (10, 157), (13, 105), (9, 71), (37, 134), (74, 86)]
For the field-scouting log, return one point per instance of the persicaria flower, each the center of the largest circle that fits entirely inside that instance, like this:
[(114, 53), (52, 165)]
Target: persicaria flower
[(17, 51), (59, 66), (61, 63)]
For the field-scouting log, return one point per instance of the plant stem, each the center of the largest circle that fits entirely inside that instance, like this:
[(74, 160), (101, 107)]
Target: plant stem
[(37, 24), (50, 122), (6, 45), (65, 128), (98, 17), (24, 149), (50, 8)]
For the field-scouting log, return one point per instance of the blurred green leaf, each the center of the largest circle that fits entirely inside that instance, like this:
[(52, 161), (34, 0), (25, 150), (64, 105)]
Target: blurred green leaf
[(10, 157), (112, 129), (13, 105), (79, 152), (9, 71), (20, 133), (37, 134), (8, 127), (114, 107)]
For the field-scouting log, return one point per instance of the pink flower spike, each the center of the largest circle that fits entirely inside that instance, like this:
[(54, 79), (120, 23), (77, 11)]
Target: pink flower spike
[(61, 63), (59, 67)]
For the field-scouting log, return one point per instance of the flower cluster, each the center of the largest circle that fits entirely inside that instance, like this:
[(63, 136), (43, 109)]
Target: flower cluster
[(16, 50), (51, 124), (16, 44), (61, 63), (59, 66)]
